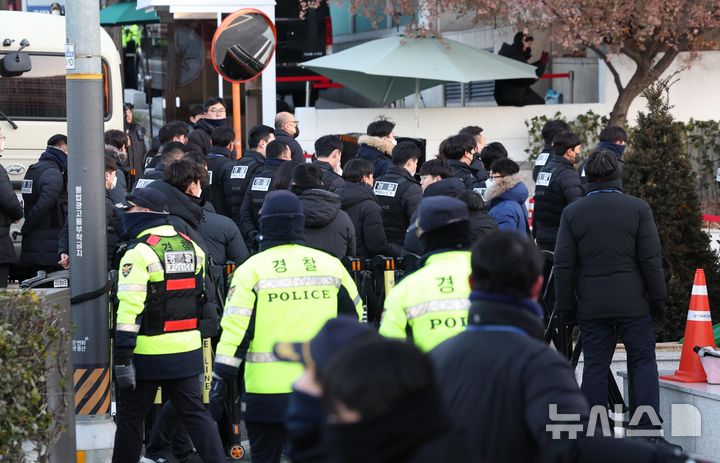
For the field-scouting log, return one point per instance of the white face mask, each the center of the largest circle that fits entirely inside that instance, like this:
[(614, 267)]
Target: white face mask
[(489, 183), (114, 182), (393, 141)]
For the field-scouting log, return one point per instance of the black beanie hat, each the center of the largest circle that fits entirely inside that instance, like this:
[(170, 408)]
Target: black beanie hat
[(282, 220)]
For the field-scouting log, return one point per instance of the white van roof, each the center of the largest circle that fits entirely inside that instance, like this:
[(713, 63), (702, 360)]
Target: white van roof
[(45, 32)]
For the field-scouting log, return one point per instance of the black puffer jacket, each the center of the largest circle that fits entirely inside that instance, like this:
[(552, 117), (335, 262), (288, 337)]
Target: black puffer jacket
[(10, 211), (399, 196), (327, 227), (608, 261), (46, 208), (297, 152), (223, 239), (151, 174), (258, 186), (185, 212), (542, 160), (557, 185), (466, 173), (220, 164), (358, 200), (331, 180)]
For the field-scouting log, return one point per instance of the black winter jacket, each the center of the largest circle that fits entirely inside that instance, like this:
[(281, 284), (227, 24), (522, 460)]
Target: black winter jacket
[(558, 184), (467, 174), (327, 227), (46, 208), (10, 211), (298, 154), (220, 164), (151, 174), (223, 239), (399, 196), (358, 200), (240, 175), (331, 180), (185, 212), (376, 150), (617, 150), (258, 187), (542, 160), (504, 417), (117, 194), (608, 261)]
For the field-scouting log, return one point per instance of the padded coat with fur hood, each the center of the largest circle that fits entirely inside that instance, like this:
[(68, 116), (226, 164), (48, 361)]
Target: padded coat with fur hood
[(376, 150), (507, 203)]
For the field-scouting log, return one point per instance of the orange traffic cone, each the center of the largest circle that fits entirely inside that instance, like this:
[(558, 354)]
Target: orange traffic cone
[(698, 332)]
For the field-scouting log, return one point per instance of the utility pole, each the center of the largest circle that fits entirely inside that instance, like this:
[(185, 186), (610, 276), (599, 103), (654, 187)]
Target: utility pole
[(95, 429)]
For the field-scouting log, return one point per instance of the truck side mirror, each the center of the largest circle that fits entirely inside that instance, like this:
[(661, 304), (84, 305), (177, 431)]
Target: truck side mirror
[(15, 64)]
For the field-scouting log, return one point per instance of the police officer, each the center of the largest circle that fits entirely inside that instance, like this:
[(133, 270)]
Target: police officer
[(44, 191), (459, 150), (549, 130), (158, 339), (284, 293), (248, 165), (431, 304), (328, 150), (398, 193), (277, 153), (220, 162), (557, 185)]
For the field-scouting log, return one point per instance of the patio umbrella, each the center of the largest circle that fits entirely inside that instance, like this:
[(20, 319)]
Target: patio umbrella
[(124, 14), (391, 68)]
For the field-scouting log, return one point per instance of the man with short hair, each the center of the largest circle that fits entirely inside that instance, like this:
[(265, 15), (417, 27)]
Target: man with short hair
[(398, 193), (459, 150), (519, 411), (328, 151), (215, 115), (197, 112), (491, 153), (118, 142), (434, 171), (221, 161), (557, 185), (477, 163), (377, 145), (277, 152), (430, 305), (287, 129), (246, 167), (171, 152), (176, 131), (549, 130), (609, 275), (45, 201)]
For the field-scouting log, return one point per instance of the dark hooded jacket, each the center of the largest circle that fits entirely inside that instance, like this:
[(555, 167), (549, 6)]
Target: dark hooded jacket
[(558, 185), (185, 212), (331, 180), (617, 150), (467, 174), (10, 211), (608, 261), (507, 204), (376, 150), (542, 160), (327, 226), (220, 164), (46, 208), (399, 195), (297, 152), (258, 187), (360, 203), (241, 173), (223, 239)]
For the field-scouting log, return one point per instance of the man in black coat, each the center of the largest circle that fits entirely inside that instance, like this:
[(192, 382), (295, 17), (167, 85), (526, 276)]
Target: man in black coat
[(478, 165), (517, 92), (287, 129), (376, 146), (613, 139), (506, 413), (459, 151), (171, 152), (277, 153), (398, 192), (11, 211), (557, 185), (246, 167), (328, 151), (609, 275), (173, 131), (44, 191), (221, 160), (549, 130), (361, 204)]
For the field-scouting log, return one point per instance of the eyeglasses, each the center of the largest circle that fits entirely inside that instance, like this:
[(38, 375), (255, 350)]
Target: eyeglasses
[(216, 111), (496, 176)]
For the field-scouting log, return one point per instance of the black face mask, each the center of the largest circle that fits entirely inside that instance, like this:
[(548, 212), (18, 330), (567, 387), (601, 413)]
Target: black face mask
[(217, 122)]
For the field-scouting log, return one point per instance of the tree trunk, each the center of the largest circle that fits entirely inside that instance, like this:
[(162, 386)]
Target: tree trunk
[(618, 116)]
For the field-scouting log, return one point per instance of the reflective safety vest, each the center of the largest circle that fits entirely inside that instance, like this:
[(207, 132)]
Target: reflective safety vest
[(431, 304), (160, 291), (286, 293)]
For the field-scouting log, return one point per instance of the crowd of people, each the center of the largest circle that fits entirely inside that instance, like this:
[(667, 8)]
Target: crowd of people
[(456, 369)]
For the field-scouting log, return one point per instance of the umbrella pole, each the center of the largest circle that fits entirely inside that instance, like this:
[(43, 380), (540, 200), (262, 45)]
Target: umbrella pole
[(416, 121), (387, 92)]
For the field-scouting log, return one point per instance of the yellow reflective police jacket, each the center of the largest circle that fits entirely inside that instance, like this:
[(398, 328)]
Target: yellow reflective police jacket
[(430, 304), (289, 292), (141, 270)]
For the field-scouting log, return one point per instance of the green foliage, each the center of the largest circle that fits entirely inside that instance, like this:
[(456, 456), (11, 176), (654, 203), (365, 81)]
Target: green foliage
[(657, 169), (33, 343), (703, 140), (587, 127)]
